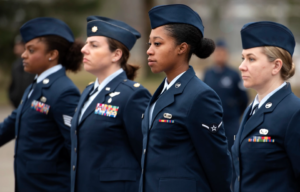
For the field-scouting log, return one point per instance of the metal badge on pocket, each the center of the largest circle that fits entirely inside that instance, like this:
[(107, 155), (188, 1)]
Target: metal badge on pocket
[(106, 110), (40, 107)]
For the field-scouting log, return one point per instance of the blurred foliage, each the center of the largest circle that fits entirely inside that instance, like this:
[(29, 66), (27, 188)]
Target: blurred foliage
[(14, 13)]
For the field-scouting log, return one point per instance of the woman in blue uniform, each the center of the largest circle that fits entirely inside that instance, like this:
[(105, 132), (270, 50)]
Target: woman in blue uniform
[(266, 150), (106, 128), (41, 124), (184, 145)]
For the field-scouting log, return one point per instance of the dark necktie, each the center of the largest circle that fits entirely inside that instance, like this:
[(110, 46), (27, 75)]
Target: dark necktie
[(254, 110), (33, 85), (93, 91), (161, 94)]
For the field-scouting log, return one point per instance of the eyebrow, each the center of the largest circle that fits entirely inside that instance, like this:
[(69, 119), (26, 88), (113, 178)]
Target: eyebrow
[(93, 41), (249, 54), (156, 37)]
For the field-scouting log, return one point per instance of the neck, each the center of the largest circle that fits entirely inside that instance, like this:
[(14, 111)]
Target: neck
[(176, 70), (268, 88), (46, 68), (103, 74)]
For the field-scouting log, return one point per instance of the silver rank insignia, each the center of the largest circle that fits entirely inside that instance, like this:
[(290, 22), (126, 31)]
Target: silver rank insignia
[(107, 88), (213, 127), (167, 115), (177, 85), (46, 81), (114, 94)]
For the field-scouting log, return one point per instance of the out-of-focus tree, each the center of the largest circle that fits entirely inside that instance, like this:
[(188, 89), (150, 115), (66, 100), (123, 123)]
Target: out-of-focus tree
[(14, 13)]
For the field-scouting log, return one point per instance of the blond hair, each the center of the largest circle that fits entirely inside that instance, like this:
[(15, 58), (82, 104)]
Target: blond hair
[(288, 67)]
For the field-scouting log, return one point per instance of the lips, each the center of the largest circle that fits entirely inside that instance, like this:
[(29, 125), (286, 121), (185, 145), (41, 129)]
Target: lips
[(85, 60), (151, 62)]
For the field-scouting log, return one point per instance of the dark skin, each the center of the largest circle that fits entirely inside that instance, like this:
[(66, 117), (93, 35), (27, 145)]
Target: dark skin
[(36, 57), (164, 55)]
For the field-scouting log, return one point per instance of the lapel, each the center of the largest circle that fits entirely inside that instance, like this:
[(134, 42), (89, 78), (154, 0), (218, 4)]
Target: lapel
[(255, 120), (100, 98), (38, 90), (168, 97), (83, 99), (20, 108)]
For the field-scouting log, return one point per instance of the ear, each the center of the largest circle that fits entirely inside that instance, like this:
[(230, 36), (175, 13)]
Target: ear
[(53, 55), (116, 56), (277, 65), (182, 48)]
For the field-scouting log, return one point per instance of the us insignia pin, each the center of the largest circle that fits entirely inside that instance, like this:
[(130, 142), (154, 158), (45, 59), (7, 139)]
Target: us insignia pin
[(40, 107), (268, 105), (94, 29), (177, 85), (263, 131), (114, 94), (167, 115), (46, 81), (213, 127), (109, 100), (107, 88)]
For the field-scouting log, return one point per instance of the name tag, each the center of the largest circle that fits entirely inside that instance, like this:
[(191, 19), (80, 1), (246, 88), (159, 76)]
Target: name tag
[(106, 110), (40, 107)]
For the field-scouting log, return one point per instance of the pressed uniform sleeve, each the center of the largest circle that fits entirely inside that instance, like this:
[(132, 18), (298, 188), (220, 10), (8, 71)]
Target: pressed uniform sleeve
[(134, 109), (7, 128), (292, 143), (63, 112), (208, 136)]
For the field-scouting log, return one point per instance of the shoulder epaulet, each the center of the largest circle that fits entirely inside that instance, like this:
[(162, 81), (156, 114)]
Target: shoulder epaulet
[(91, 82), (131, 84)]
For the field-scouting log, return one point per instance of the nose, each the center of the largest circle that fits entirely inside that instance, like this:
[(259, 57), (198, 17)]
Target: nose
[(84, 49), (243, 66), (150, 50), (23, 56)]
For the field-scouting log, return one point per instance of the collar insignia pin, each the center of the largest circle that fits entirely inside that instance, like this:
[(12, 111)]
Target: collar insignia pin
[(43, 99), (46, 81), (137, 85), (107, 88), (177, 85), (268, 105)]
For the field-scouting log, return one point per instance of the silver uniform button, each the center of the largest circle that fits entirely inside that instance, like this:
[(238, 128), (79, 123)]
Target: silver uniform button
[(73, 167), (75, 149), (144, 151), (238, 178), (75, 132)]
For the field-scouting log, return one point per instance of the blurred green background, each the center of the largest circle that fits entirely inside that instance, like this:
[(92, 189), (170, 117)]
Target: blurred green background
[(221, 18)]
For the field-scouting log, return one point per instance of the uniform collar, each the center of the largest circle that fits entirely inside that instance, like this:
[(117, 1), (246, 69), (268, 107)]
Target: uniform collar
[(48, 72), (168, 85), (255, 102), (106, 80)]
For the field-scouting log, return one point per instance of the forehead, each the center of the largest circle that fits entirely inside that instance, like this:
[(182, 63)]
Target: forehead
[(158, 32), (96, 39), (254, 51), (35, 42)]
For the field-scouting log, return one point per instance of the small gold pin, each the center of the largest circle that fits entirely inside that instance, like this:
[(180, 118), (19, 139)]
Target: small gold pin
[(91, 82), (109, 100), (177, 85), (167, 115), (107, 88), (137, 85), (94, 29), (268, 105), (43, 99), (46, 81)]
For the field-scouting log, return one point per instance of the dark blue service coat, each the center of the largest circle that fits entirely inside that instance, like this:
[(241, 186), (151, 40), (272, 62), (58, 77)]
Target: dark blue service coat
[(42, 148), (268, 166), (228, 85), (106, 151), (190, 153)]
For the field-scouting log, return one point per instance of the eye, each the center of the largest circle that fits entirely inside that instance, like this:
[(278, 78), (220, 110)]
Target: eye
[(30, 50), (149, 44), (243, 58), (157, 44), (93, 45), (251, 59)]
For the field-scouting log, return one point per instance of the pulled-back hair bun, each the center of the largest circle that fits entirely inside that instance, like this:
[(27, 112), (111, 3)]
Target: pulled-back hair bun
[(201, 47)]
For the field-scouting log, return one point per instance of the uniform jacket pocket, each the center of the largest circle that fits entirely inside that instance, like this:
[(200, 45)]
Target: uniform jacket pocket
[(118, 175), (177, 185), (41, 167)]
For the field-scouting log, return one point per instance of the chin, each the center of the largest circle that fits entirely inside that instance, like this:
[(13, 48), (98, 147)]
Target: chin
[(154, 70)]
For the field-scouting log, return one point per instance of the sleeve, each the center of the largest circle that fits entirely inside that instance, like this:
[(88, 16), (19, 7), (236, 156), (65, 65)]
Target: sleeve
[(208, 136), (7, 128), (241, 95), (134, 109), (63, 112), (292, 143)]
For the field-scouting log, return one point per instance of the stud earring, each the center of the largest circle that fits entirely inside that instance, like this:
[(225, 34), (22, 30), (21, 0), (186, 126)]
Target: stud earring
[(49, 59)]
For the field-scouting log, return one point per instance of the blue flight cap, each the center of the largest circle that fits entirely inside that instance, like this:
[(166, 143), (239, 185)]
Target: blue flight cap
[(44, 26), (221, 43), (118, 30), (175, 13), (267, 33)]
